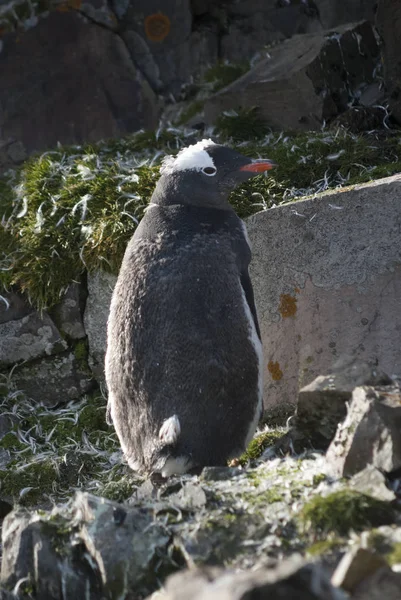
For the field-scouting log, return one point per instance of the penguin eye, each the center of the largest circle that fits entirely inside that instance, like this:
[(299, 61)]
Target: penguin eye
[(209, 171)]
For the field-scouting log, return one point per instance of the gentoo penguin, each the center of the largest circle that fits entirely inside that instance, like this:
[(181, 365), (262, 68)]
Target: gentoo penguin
[(184, 355)]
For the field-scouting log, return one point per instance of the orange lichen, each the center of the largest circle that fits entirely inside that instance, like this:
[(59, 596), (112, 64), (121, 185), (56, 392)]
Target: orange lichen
[(274, 370), (69, 5), (157, 27), (288, 305)]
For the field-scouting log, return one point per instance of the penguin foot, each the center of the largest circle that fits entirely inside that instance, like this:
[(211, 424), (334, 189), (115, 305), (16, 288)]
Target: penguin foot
[(170, 431)]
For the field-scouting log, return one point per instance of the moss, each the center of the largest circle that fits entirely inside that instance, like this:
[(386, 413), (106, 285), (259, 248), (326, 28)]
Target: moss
[(75, 209), (342, 512), (262, 499), (258, 445), (121, 489), (39, 476), (223, 73), (10, 441), (190, 111), (394, 557), (81, 353), (317, 479), (75, 437), (242, 124), (326, 546)]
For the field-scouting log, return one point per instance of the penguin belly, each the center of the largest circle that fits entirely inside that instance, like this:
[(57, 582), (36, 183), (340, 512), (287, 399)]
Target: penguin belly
[(184, 360)]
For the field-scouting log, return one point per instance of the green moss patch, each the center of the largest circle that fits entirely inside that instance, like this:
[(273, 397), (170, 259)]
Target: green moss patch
[(74, 209), (223, 74), (56, 450), (258, 445), (342, 512)]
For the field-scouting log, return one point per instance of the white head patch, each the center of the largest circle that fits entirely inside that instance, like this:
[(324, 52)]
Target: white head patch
[(193, 158)]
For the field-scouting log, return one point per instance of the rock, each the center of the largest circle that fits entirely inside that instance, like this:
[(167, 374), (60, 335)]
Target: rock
[(16, 151), (165, 32), (13, 306), (333, 12), (355, 566), (190, 497), (290, 580), (359, 119), (387, 21), (372, 482), (68, 314), (322, 404), (54, 380), (219, 473), (306, 80), (28, 338), (384, 583), (370, 434), (251, 25), (100, 289), (70, 81), (323, 289), (71, 551)]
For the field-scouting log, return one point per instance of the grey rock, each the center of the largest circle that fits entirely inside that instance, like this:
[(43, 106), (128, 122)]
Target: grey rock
[(327, 283), (71, 81), (142, 58), (290, 580), (68, 314), (83, 562), (31, 337), (16, 151), (100, 12), (253, 25), (355, 566), (219, 473), (322, 404), (370, 433), (387, 20), (54, 380), (190, 497), (335, 12), (166, 32), (384, 583), (372, 482), (306, 80), (100, 289), (13, 306)]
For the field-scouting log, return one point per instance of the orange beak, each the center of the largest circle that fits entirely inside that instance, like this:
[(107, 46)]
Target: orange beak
[(259, 165)]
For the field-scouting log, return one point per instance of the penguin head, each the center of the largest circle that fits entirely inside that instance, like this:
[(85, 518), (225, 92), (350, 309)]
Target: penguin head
[(204, 174)]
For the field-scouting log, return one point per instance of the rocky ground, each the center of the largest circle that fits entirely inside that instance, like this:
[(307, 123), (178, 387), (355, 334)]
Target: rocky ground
[(99, 531)]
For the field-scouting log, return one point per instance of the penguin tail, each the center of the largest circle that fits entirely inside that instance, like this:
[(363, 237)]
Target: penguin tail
[(170, 431)]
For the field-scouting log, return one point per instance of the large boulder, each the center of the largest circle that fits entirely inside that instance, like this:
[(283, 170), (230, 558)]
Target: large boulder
[(370, 434), (304, 81), (327, 278), (71, 81), (388, 21)]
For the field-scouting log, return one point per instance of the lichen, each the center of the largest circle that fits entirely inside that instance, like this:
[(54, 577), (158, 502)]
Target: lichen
[(341, 512)]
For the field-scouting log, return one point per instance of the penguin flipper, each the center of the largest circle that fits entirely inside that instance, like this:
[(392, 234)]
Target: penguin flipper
[(248, 291)]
